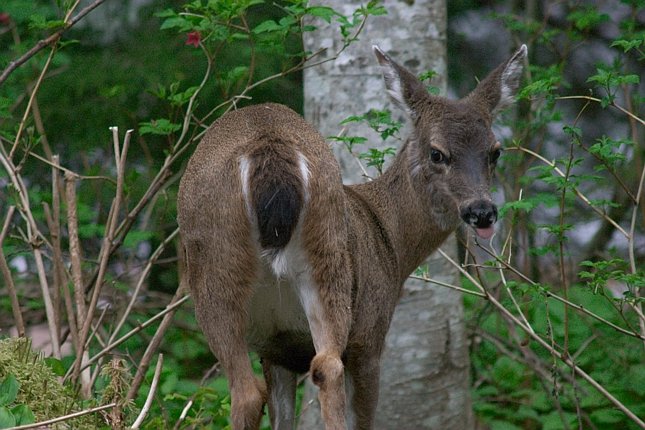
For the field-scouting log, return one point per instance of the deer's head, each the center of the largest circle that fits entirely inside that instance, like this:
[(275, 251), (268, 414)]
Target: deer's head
[(452, 150)]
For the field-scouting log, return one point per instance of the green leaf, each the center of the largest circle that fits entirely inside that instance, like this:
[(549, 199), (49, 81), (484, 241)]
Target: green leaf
[(585, 18), (23, 415), (165, 13), (178, 22), (324, 12), (55, 365), (574, 132), (427, 75), (39, 22), (503, 425), (627, 45), (267, 27), (161, 127), (8, 390), (7, 419), (607, 416)]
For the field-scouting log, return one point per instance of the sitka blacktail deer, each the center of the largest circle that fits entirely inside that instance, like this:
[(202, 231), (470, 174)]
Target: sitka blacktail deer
[(285, 260)]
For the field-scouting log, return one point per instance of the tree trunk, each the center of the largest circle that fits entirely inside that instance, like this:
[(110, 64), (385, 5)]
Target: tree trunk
[(424, 369)]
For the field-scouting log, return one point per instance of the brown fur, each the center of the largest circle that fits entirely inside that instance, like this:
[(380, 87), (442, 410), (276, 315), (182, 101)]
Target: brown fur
[(321, 293)]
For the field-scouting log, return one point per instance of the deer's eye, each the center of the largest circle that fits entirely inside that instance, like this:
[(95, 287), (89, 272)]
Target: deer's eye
[(494, 156), (437, 156)]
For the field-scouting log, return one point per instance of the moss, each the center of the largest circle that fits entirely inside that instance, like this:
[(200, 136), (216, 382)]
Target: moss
[(40, 388), (118, 375)]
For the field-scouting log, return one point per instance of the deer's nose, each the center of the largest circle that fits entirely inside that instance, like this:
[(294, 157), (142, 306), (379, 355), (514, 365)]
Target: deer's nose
[(480, 214)]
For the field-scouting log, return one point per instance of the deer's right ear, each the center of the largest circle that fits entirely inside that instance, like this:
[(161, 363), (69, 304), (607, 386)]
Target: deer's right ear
[(402, 86), (498, 90)]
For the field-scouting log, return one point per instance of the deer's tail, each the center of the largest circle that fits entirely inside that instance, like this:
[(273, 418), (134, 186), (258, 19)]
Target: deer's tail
[(277, 182)]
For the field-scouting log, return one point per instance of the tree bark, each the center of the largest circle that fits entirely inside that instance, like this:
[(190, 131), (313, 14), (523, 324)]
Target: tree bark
[(425, 366)]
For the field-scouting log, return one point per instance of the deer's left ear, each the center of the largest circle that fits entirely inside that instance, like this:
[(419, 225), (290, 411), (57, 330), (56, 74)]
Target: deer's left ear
[(402, 86), (498, 90)]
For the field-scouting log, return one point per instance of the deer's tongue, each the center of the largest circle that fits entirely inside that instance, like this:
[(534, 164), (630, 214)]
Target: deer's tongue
[(485, 233)]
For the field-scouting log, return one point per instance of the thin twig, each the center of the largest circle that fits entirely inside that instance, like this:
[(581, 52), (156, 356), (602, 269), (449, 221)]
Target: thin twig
[(151, 394), (510, 294), (110, 229), (47, 41), (556, 354), (46, 424), (552, 295), (32, 97), (142, 277), (575, 189), (35, 238), (68, 171), (6, 274), (47, 300), (74, 246), (215, 368), (137, 329), (153, 345), (630, 242), (447, 285), (594, 99)]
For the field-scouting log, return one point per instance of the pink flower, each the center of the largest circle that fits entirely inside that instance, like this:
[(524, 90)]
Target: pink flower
[(5, 18), (194, 38)]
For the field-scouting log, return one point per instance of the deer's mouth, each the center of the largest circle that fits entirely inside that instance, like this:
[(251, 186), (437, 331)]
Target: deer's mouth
[(485, 233)]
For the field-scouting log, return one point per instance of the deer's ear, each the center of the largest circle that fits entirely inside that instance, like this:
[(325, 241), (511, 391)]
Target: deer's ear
[(402, 86), (498, 90)]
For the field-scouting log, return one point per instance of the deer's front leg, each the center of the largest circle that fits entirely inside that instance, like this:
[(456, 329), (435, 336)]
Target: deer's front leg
[(281, 388), (363, 368)]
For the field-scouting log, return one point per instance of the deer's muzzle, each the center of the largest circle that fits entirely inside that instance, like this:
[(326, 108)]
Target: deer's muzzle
[(480, 215)]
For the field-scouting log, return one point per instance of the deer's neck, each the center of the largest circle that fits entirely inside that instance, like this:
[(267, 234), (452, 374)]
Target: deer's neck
[(394, 201)]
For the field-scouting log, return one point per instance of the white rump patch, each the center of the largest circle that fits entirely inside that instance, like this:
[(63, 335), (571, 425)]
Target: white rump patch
[(280, 264), (245, 171), (303, 165)]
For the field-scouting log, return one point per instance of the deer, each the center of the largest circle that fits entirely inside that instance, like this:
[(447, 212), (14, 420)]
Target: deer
[(285, 260)]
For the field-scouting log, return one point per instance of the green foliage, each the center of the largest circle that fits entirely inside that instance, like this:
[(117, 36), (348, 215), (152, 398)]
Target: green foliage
[(376, 157), (521, 389), (10, 413), (30, 390), (382, 123), (212, 55), (570, 288)]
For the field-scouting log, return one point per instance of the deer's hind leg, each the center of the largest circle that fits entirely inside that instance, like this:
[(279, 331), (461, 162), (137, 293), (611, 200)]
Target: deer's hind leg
[(221, 283), (325, 293)]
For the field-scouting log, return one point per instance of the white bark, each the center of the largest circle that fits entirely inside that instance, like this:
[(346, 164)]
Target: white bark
[(424, 369)]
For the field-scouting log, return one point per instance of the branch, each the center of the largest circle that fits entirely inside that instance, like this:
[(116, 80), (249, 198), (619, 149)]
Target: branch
[(120, 154), (137, 329), (554, 352), (154, 344), (151, 394), (597, 100), (575, 189), (6, 274), (46, 42), (45, 424)]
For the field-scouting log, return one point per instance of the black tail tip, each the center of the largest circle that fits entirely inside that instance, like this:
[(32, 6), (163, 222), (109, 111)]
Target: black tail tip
[(278, 210)]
